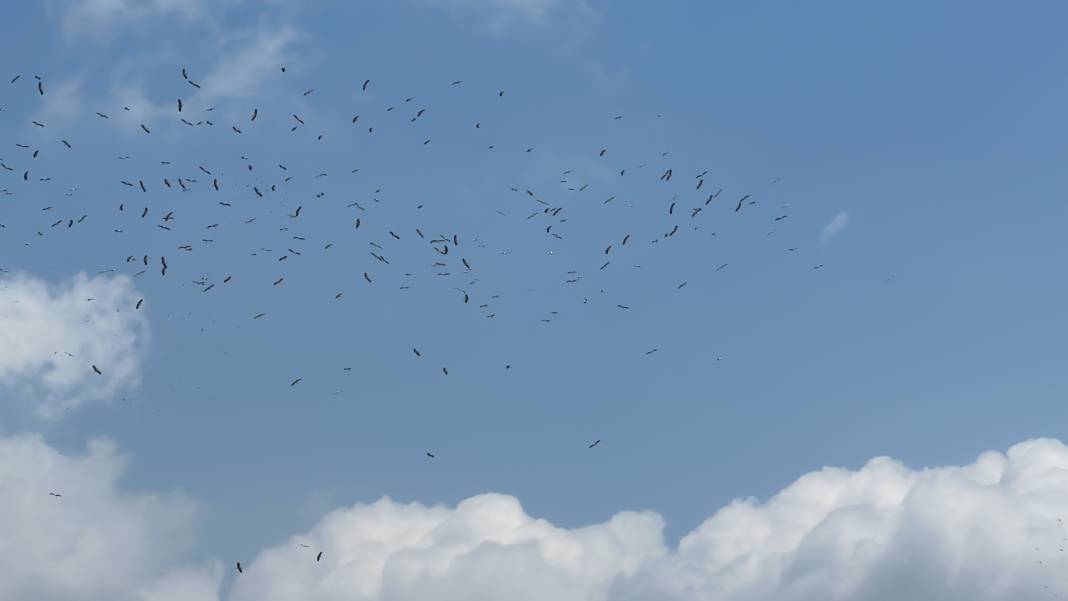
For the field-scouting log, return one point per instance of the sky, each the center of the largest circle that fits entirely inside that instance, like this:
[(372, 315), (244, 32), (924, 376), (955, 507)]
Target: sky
[(856, 341)]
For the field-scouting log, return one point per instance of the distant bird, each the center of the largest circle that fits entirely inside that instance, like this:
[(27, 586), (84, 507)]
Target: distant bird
[(239, 570), (366, 83), (97, 370), (429, 454), (52, 494), (595, 443), (295, 382), (319, 556)]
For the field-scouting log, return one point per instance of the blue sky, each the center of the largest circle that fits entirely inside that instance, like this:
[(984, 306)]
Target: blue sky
[(932, 134)]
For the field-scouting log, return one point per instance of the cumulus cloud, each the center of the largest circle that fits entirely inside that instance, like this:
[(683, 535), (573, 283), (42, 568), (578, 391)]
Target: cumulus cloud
[(986, 531), (51, 336), (835, 226), (96, 542), (880, 533), (105, 17)]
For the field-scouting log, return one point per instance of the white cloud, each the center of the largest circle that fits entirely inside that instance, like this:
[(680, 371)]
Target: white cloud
[(104, 17), (96, 542), (51, 336), (987, 531), (880, 533), (835, 226), (487, 548)]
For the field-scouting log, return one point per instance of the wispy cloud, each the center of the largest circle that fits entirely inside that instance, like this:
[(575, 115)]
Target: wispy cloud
[(247, 63), (52, 336), (501, 15), (835, 226), (105, 18)]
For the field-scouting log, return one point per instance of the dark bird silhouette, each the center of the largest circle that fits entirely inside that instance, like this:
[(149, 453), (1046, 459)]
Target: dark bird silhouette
[(97, 370), (595, 443), (295, 382), (319, 556), (429, 454), (239, 570), (366, 83)]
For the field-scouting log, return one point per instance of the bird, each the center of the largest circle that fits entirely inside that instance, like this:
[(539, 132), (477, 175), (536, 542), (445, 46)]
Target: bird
[(239, 570), (319, 556), (295, 382), (595, 443), (429, 454), (97, 370), (52, 494), (366, 83)]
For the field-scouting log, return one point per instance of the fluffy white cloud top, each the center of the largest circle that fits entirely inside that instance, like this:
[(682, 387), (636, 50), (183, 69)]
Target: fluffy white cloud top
[(989, 530), (52, 335), (884, 532), (95, 542)]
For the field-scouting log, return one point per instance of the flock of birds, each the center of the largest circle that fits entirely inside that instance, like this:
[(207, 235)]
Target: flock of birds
[(149, 210)]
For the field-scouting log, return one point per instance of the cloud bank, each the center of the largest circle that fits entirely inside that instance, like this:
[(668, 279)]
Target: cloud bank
[(52, 336), (989, 530), (880, 533)]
